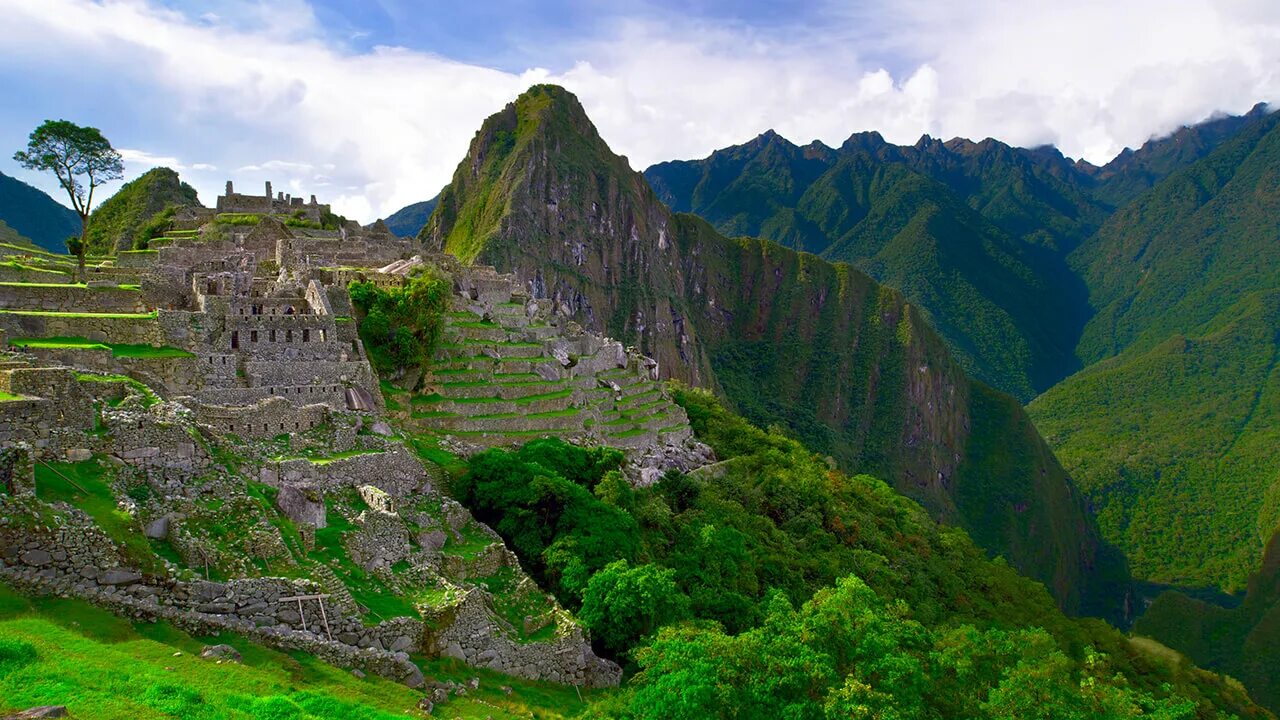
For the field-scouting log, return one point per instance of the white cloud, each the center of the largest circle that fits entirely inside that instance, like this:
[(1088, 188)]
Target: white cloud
[(137, 162), (390, 125)]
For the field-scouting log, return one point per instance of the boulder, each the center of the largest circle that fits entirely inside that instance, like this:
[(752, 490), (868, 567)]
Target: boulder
[(119, 576), (414, 679), (302, 505), (220, 652), (157, 529), (78, 454), (36, 557), (432, 540)]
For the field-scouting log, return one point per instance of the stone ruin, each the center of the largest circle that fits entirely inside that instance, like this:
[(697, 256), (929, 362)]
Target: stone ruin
[(233, 336)]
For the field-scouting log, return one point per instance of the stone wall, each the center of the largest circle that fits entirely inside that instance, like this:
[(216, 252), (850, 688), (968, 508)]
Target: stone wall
[(98, 328), (264, 419), (71, 298), (468, 634), (396, 471), (76, 559)]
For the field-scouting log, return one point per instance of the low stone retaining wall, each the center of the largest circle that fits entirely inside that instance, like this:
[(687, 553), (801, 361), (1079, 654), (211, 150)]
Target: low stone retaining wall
[(71, 298)]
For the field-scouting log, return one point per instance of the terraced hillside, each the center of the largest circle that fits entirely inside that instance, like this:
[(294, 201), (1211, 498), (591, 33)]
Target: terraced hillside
[(503, 375)]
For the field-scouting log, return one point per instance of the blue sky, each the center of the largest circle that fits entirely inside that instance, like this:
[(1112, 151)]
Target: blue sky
[(371, 105)]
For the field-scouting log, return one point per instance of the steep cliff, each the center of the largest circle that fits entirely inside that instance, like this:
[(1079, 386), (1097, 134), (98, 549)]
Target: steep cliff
[(821, 349)]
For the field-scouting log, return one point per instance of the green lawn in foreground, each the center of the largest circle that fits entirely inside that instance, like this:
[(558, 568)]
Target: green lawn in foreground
[(55, 651)]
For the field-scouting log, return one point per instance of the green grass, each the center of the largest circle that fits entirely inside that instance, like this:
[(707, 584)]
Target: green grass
[(149, 396), (527, 399), (86, 485), (115, 316), (117, 350), (9, 397)]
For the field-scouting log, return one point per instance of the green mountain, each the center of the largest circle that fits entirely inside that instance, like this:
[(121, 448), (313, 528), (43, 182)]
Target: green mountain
[(850, 367), (1243, 642), (116, 223), (33, 214), (1185, 280), (1173, 445), (1185, 250), (973, 233), (408, 220), (1132, 172)]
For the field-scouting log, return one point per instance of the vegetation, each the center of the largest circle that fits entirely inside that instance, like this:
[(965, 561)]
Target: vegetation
[(894, 610), (821, 350), (401, 326), (117, 349), (138, 212), (1243, 642), (1173, 446), (82, 160)]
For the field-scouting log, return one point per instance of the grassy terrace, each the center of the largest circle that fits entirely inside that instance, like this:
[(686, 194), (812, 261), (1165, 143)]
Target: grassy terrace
[(326, 459), (81, 286), (10, 397), (122, 350), (86, 485), (53, 313), (489, 343), (150, 398)]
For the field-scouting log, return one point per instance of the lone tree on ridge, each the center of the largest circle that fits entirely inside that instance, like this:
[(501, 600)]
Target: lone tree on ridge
[(81, 158)]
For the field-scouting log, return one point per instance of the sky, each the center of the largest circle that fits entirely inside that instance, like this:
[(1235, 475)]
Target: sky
[(370, 104)]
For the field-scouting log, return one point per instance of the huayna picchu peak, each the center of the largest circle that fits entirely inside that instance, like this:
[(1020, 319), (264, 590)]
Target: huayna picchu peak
[(925, 401), (849, 366)]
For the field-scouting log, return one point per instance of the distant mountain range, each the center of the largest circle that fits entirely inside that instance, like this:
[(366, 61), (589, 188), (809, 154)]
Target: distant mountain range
[(32, 214), (1138, 303), (408, 220)]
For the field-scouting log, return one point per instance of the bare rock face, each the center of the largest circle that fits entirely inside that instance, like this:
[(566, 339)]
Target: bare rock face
[(302, 505), (157, 529)]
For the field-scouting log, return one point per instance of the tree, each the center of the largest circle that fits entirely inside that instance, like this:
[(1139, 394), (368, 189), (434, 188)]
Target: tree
[(82, 160), (623, 604)]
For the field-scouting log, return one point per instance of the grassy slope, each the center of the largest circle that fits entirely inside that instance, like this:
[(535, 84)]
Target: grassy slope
[(107, 668), (1174, 446), (1168, 433), (115, 223), (789, 338)]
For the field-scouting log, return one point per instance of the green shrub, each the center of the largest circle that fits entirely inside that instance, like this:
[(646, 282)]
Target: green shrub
[(401, 326), (15, 654)]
